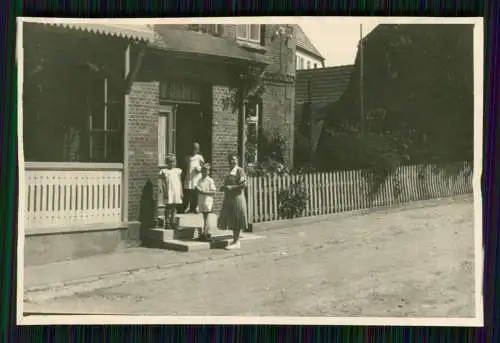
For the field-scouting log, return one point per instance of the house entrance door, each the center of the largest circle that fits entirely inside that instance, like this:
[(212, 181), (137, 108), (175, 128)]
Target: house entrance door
[(193, 125)]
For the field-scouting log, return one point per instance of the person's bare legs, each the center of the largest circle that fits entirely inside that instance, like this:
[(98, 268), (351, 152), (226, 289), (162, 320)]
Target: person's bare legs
[(236, 236), (205, 225), (235, 244), (206, 229), (173, 212)]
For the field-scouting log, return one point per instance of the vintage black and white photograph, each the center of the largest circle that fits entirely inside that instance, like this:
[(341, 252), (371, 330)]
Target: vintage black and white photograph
[(255, 170)]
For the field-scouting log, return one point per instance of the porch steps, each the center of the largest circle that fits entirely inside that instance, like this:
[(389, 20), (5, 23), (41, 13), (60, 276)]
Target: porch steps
[(185, 237)]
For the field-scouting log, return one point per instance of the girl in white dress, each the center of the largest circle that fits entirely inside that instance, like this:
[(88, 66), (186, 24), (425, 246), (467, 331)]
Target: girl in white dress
[(171, 187), (193, 175), (206, 191)]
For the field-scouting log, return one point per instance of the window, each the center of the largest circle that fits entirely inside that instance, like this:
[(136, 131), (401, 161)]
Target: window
[(308, 64), (296, 62), (248, 32), (301, 64), (252, 115), (166, 133), (105, 121), (315, 65), (211, 28)]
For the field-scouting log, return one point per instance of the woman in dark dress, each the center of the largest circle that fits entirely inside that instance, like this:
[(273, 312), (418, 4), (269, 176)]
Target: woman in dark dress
[(234, 207)]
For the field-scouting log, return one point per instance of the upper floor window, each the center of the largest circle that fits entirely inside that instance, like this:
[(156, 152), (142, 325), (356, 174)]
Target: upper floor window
[(249, 32), (212, 29)]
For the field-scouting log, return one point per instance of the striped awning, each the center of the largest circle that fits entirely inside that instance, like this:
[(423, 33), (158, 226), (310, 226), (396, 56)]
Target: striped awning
[(138, 32)]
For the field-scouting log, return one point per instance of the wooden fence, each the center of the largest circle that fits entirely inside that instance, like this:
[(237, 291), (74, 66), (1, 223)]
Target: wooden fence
[(66, 195), (348, 190)]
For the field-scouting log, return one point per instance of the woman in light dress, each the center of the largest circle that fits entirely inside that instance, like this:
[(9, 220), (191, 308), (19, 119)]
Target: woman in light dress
[(171, 187), (193, 176), (233, 215)]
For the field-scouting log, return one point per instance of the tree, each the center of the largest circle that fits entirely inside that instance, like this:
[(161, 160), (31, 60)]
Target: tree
[(420, 79)]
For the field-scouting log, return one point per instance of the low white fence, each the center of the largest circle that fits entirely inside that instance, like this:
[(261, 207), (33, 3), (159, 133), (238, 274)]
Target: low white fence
[(68, 195), (348, 190)]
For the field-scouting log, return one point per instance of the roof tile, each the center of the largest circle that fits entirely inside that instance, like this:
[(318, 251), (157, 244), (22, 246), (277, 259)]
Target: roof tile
[(304, 43), (177, 38), (326, 84)]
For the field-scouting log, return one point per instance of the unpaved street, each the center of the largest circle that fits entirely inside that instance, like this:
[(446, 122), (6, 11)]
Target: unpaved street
[(402, 262)]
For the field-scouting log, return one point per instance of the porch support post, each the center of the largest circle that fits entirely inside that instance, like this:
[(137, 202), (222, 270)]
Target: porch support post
[(125, 195), (130, 76)]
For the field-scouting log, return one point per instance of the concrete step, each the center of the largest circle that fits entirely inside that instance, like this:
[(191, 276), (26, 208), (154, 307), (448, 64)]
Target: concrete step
[(184, 238), (183, 233), (218, 242)]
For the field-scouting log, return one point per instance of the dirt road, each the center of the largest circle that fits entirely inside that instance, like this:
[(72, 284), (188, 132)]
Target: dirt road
[(406, 262)]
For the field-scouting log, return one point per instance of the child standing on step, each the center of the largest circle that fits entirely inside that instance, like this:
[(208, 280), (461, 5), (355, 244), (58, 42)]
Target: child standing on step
[(171, 188), (206, 191)]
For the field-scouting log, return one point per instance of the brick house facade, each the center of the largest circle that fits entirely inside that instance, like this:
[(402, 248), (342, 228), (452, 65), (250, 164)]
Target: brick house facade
[(208, 64)]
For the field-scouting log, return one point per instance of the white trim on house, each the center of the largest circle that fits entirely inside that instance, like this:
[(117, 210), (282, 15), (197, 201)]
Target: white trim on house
[(301, 60)]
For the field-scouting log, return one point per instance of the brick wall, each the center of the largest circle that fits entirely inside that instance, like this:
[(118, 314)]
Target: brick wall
[(279, 98), (142, 148), (280, 53), (278, 113), (224, 137)]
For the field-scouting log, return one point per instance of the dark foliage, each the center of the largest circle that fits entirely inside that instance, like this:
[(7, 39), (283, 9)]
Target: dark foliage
[(293, 200), (418, 101)]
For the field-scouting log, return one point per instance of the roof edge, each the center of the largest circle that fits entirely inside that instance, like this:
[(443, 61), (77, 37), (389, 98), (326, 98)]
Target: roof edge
[(309, 52), (138, 34)]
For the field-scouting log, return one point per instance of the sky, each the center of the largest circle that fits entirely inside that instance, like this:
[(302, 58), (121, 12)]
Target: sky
[(336, 41)]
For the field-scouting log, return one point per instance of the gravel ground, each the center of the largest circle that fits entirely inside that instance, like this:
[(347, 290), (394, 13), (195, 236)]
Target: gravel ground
[(416, 262)]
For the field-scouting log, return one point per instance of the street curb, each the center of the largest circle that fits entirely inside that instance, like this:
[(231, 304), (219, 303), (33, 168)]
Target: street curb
[(288, 223)]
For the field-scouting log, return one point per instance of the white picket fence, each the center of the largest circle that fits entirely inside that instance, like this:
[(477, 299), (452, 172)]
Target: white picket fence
[(71, 195), (340, 191)]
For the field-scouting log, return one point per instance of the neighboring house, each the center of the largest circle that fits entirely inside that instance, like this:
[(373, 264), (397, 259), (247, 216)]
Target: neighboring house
[(306, 56), (315, 91), (103, 106)]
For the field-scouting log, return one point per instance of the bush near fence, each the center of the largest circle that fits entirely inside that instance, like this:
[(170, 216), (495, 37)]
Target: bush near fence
[(340, 191)]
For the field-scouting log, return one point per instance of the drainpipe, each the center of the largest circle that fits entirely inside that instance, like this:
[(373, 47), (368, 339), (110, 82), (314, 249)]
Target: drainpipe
[(125, 141), (241, 112)]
